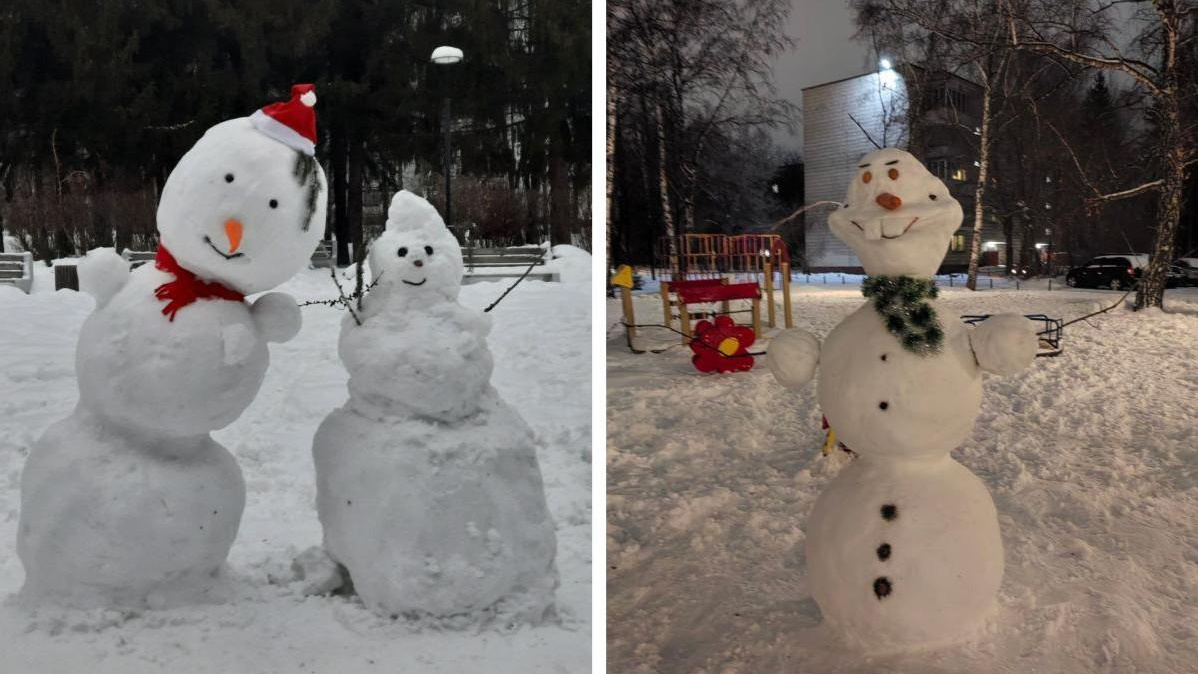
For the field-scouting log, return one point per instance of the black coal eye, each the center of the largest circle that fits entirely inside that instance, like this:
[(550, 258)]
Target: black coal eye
[(228, 177), (274, 203), (932, 197), (428, 250), (403, 252)]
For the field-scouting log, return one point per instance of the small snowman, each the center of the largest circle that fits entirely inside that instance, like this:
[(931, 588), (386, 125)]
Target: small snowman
[(129, 501), (903, 546), (428, 486)]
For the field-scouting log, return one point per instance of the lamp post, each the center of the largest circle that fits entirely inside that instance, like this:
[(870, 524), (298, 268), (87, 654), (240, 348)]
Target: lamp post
[(447, 56)]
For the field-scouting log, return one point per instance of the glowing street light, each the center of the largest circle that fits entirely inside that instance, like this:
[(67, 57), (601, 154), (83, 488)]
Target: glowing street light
[(447, 56)]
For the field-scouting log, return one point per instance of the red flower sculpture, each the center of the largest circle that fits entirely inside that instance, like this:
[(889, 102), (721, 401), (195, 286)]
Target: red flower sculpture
[(722, 346)]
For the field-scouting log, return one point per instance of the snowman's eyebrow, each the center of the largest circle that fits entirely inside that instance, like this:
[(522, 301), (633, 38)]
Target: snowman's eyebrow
[(890, 163), (863, 166)]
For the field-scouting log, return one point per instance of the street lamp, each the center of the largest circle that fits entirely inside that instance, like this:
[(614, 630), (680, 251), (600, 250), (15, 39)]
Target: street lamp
[(447, 56)]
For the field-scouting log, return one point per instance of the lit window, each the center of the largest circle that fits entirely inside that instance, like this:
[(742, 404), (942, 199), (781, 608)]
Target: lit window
[(960, 175), (958, 244)]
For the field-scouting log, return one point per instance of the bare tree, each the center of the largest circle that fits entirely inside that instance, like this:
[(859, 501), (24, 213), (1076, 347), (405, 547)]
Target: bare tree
[(698, 69), (1160, 63), (962, 37)]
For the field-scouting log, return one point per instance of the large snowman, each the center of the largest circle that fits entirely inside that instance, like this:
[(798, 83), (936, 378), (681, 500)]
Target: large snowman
[(128, 500), (427, 481), (903, 546)]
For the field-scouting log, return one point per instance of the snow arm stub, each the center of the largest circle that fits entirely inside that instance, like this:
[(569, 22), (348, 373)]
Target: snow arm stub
[(102, 274), (1004, 343), (277, 317), (792, 357)]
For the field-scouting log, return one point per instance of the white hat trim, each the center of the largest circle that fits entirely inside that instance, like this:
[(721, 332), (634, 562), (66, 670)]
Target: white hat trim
[(282, 133)]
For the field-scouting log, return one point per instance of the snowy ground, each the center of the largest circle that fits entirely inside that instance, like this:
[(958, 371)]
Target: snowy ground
[(1091, 457), (541, 343)]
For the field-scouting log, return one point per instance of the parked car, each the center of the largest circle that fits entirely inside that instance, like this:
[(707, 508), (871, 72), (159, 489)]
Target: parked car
[(1188, 268), (1108, 271)]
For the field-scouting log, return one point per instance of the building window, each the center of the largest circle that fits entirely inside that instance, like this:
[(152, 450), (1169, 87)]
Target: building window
[(953, 98), (958, 244), (939, 168), (960, 175)]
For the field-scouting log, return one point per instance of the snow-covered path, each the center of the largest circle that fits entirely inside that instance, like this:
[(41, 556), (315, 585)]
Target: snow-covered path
[(1091, 458), (541, 343)]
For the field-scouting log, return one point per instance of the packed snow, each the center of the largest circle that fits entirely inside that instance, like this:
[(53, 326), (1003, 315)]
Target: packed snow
[(903, 547), (1089, 457), (428, 486), (258, 618), (128, 501)]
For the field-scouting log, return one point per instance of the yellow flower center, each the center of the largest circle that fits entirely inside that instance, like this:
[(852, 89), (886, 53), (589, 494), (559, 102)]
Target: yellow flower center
[(729, 346)]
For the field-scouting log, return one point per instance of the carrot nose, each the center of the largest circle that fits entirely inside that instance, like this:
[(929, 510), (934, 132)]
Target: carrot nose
[(233, 230), (888, 201)]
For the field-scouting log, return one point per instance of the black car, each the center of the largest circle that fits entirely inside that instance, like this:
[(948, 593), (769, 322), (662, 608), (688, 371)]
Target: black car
[(1108, 271), (1187, 267)]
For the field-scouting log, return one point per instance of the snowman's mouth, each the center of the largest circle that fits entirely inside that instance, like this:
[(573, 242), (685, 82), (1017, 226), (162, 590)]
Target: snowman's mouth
[(221, 252), (413, 283), (882, 228)]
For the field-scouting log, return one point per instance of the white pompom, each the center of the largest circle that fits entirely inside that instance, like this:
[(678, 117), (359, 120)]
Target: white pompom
[(277, 317), (308, 98), (102, 273), (793, 357), (1005, 343)]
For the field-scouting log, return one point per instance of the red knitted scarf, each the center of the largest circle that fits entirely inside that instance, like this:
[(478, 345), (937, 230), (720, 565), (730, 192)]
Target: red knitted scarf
[(186, 288)]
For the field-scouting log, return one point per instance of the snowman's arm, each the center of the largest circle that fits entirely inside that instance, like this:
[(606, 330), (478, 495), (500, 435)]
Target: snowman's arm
[(102, 274), (1004, 343), (793, 357), (276, 316)]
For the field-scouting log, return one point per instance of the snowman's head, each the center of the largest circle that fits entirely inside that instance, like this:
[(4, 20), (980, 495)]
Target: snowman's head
[(246, 206), (898, 217), (417, 258)]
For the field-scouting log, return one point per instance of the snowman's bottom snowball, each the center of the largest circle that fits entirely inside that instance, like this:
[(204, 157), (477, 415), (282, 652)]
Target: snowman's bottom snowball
[(113, 518), (904, 553), (440, 520)]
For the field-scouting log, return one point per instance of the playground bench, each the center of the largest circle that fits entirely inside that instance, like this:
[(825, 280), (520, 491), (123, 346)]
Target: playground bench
[(137, 258), (16, 269), (322, 257), (505, 263), (724, 292), (504, 257)]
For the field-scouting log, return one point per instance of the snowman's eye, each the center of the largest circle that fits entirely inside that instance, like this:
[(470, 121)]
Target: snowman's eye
[(932, 197), (403, 252), (428, 250), (274, 203), (228, 177)]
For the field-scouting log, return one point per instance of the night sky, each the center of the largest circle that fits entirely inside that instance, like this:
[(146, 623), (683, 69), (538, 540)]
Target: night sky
[(824, 51)]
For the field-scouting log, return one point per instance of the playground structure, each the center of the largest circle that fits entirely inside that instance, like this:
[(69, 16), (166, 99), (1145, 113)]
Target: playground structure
[(702, 266)]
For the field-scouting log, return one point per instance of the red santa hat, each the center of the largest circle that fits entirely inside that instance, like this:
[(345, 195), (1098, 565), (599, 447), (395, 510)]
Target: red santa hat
[(292, 123)]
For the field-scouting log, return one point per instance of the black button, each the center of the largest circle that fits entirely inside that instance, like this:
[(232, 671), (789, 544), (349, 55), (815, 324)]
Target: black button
[(882, 587), (889, 512), (883, 405), (884, 551)]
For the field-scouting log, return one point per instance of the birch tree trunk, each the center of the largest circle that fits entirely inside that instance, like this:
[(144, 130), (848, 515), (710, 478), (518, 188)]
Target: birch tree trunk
[(611, 160), (979, 194), (663, 182), (1151, 292)]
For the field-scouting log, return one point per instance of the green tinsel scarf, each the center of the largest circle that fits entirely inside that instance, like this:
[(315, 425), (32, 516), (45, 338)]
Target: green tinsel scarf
[(902, 301)]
